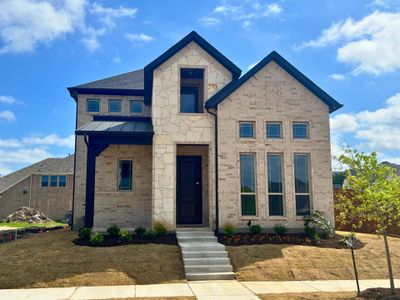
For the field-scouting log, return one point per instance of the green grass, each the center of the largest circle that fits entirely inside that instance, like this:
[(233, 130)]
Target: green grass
[(28, 225)]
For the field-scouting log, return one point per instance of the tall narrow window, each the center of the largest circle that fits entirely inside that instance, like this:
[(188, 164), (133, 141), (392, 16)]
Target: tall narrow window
[(191, 94), (302, 183), (93, 105), (62, 181), (247, 185), (53, 180), (301, 130), (114, 106), (45, 181), (246, 129), (275, 184), (125, 175)]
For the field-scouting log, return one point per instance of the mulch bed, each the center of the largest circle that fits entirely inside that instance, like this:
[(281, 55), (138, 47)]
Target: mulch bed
[(240, 239), (380, 294), (9, 235), (169, 239)]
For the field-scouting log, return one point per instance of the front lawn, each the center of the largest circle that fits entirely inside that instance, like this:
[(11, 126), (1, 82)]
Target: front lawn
[(297, 262), (51, 259), (29, 225)]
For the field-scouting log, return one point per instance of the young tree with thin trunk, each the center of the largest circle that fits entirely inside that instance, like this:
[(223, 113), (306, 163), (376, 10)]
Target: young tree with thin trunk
[(371, 194)]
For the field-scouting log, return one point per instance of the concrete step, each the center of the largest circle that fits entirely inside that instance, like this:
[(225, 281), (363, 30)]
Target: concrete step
[(192, 229), (210, 276), (193, 246), (182, 234), (206, 261), (208, 268), (203, 239), (199, 254)]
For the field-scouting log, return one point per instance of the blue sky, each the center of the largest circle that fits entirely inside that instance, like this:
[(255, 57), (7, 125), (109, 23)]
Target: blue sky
[(350, 48)]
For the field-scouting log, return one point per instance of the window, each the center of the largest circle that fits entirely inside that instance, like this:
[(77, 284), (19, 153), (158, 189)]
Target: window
[(300, 130), (125, 175), (136, 106), (62, 181), (275, 184), (274, 130), (93, 105), (191, 92), (53, 181), (302, 184), (45, 181), (114, 106), (247, 185), (246, 129)]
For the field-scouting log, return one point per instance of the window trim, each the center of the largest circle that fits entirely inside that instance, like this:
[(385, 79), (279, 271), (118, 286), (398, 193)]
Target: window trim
[(307, 127), (242, 216), (200, 84), (281, 131), (283, 185), (87, 105), (115, 112), (253, 123), (119, 177), (309, 194), (141, 106)]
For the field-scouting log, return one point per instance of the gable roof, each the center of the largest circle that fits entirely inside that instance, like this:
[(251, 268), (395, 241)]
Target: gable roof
[(284, 64), (49, 165), (131, 83), (191, 37)]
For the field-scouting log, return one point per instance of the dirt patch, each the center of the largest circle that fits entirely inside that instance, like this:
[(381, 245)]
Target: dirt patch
[(240, 239), (169, 239), (51, 259), (298, 262)]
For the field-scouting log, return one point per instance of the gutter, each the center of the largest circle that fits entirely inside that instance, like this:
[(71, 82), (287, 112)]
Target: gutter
[(216, 169)]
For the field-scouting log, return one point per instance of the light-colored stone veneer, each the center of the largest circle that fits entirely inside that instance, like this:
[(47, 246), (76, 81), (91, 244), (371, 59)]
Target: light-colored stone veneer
[(172, 128), (273, 95)]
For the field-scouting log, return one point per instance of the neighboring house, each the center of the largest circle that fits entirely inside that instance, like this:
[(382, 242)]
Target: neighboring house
[(170, 141), (46, 185)]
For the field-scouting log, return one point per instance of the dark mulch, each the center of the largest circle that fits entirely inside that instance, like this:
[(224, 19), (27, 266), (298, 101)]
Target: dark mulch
[(240, 239), (169, 239), (380, 294)]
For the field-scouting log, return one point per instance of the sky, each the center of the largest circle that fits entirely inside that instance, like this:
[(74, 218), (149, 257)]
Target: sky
[(350, 48)]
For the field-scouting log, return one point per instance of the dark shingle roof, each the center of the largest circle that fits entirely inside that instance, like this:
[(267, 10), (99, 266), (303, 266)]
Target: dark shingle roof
[(50, 165), (392, 165)]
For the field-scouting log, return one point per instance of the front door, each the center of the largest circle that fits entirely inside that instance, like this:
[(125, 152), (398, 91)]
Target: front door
[(189, 205)]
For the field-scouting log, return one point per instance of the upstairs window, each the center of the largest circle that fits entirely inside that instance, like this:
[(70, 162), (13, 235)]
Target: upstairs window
[(45, 181), (136, 107), (53, 180), (114, 106), (125, 175), (246, 129), (274, 130), (93, 105), (62, 181), (301, 130), (191, 90)]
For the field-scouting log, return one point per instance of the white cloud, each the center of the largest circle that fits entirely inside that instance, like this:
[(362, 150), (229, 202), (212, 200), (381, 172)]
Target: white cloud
[(25, 24), (138, 38), (10, 143), (7, 99), (23, 156), (116, 59), (252, 65), (7, 116), (209, 21), (370, 44), (246, 24), (377, 130), (52, 139), (338, 77)]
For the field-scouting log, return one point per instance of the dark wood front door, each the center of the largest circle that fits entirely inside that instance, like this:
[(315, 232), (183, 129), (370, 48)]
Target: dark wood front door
[(189, 205)]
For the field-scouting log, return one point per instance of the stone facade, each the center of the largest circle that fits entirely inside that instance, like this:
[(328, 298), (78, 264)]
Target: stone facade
[(275, 96), (55, 202)]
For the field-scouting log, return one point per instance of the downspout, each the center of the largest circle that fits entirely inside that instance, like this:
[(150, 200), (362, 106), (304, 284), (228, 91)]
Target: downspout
[(75, 97), (216, 169)]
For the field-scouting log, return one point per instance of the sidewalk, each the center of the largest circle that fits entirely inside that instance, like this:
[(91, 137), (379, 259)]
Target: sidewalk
[(202, 290)]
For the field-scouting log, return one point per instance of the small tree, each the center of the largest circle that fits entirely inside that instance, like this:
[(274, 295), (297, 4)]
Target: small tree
[(372, 194)]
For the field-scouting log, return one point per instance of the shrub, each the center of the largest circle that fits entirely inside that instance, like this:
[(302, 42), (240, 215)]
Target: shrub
[(321, 226), (125, 236), (255, 229), (229, 230), (84, 233), (349, 240), (113, 230), (150, 234), (96, 239), (316, 239), (160, 229), (140, 231), (280, 229)]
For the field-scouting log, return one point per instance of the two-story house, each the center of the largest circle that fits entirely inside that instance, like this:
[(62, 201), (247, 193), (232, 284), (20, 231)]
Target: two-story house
[(189, 141)]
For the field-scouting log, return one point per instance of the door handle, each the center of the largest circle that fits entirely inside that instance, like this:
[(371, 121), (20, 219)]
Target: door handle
[(197, 183)]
